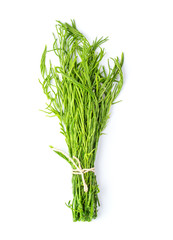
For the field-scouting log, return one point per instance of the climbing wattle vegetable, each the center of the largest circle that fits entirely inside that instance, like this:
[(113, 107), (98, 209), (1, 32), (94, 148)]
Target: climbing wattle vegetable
[(80, 93)]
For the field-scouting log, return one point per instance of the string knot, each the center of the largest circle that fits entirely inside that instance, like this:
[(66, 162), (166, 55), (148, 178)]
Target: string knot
[(81, 171), (78, 169)]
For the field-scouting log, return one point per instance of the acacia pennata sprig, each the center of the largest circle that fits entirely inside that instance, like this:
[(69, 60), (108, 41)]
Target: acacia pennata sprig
[(80, 93)]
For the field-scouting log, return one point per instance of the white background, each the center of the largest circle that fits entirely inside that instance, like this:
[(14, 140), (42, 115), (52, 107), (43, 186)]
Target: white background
[(134, 162)]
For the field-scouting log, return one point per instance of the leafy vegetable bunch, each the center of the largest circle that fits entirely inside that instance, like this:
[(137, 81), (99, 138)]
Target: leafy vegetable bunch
[(80, 92)]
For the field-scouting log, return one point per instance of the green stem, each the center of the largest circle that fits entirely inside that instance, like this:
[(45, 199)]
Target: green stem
[(85, 204)]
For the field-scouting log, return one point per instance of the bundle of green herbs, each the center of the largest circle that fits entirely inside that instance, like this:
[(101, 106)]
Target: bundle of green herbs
[(80, 93)]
